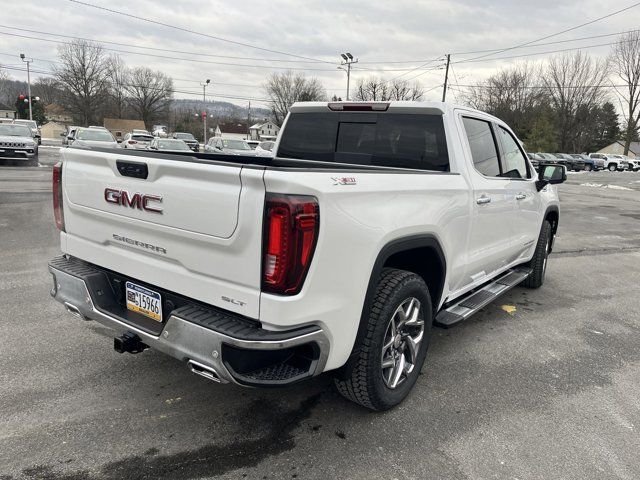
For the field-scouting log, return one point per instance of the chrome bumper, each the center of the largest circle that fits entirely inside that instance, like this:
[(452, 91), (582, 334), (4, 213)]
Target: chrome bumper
[(201, 347)]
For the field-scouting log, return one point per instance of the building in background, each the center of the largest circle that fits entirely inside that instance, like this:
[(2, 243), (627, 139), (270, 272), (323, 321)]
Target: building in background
[(231, 130), (53, 129), (617, 148), (6, 111), (119, 127), (56, 113), (264, 131)]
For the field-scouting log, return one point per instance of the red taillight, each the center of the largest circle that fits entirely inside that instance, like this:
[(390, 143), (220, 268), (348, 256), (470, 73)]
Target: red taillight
[(131, 142), (58, 211), (290, 233)]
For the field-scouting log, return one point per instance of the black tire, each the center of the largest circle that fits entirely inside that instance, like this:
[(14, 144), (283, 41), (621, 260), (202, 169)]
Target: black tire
[(587, 168), (364, 383), (539, 261), (613, 167)]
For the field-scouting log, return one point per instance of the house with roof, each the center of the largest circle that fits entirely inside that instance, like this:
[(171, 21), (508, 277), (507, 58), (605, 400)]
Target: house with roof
[(57, 113), (617, 148), (231, 130), (7, 111), (264, 131), (119, 127)]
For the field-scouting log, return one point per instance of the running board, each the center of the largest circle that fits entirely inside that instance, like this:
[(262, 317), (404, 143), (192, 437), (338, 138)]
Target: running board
[(474, 301)]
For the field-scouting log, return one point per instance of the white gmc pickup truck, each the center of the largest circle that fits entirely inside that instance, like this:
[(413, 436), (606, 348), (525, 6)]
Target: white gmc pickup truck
[(373, 223)]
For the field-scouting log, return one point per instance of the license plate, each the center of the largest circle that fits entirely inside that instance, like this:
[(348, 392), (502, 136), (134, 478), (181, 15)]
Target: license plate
[(144, 301)]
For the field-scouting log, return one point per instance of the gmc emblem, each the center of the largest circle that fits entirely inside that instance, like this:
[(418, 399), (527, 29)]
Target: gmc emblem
[(137, 200)]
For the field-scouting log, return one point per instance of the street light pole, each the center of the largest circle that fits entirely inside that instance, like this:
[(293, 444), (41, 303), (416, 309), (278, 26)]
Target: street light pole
[(204, 106), (347, 60), (28, 61)]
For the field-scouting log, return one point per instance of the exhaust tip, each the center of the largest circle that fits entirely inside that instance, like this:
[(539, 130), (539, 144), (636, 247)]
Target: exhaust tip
[(74, 310), (204, 371)]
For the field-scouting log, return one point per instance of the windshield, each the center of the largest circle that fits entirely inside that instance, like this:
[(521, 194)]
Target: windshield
[(185, 136), (28, 123), (172, 145), (94, 135), (15, 130), (236, 145), (142, 138)]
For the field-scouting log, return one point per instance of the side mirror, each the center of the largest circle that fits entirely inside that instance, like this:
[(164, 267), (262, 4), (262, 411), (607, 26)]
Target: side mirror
[(550, 174)]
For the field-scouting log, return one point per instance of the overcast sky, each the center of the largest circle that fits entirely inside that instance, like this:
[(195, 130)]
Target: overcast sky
[(380, 32)]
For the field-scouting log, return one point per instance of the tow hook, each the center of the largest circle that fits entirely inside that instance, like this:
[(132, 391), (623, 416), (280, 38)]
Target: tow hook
[(129, 342)]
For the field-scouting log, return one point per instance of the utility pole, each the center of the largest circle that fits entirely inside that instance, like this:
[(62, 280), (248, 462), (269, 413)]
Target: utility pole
[(446, 77), (347, 60), (204, 108), (28, 61), (249, 121)]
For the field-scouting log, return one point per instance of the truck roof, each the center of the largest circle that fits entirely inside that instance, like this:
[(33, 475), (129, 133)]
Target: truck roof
[(433, 108)]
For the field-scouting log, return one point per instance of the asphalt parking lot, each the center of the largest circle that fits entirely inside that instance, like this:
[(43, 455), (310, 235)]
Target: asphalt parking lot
[(541, 384)]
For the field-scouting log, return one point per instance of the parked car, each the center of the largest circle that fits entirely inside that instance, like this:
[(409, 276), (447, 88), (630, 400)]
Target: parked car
[(253, 143), (633, 165), (228, 146), (623, 163), (17, 143), (570, 162), (68, 136), (265, 149), (549, 157), (535, 159), (608, 161), (93, 137), (137, 141), (33, 126), (189, 139), (169, 145), (589, 163), (267, 276)]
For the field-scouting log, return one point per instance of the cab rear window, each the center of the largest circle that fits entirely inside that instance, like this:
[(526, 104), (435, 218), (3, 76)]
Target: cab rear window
[(379, 139)]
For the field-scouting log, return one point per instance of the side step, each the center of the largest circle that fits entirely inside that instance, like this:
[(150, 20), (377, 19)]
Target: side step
[(474, 301)]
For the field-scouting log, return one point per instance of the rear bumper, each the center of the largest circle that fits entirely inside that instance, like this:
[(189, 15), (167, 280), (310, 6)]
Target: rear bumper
[(216, 344)]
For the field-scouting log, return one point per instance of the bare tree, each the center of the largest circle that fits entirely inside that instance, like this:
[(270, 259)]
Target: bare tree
[(574, 84), (625, 60), (83, 77), (149, 93), (284, 89), (118, 78), (48, 89), (513, 95), (377, 89)]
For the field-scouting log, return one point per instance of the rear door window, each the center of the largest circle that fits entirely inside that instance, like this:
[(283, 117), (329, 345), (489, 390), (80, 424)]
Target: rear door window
[(390, 140), (483, 146)]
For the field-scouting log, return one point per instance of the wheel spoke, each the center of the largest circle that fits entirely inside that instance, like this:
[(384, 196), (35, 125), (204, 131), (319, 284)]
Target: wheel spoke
[(388, 362), (413, 344), (398, 370)]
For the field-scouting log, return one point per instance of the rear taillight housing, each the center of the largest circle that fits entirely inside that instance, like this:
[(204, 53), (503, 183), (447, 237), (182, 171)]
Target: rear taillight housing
[(291, 224), (58, 211), (131, 142)]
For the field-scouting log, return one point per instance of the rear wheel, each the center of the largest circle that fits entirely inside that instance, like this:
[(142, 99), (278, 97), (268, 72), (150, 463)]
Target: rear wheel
[(394, 346), (613, 167), (587, 168), (539, 261)]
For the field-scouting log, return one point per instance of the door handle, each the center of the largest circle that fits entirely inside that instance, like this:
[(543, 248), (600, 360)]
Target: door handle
[(521, 196), (483, 199)]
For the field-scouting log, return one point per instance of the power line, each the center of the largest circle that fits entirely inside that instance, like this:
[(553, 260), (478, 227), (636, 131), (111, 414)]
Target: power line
[(557, 33), (182, 29), (74, 37), (475, 60), (172, 58)]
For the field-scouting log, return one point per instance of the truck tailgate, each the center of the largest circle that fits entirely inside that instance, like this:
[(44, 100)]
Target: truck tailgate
[(190, 227)]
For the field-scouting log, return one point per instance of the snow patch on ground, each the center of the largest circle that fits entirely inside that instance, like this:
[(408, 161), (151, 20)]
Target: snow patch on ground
[(602, 185)]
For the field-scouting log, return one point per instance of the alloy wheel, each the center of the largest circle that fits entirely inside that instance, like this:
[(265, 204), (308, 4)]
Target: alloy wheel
[(402, 341)]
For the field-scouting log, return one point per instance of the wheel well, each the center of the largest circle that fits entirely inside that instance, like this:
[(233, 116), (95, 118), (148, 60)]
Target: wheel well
[(553, 217), (425, 262)]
